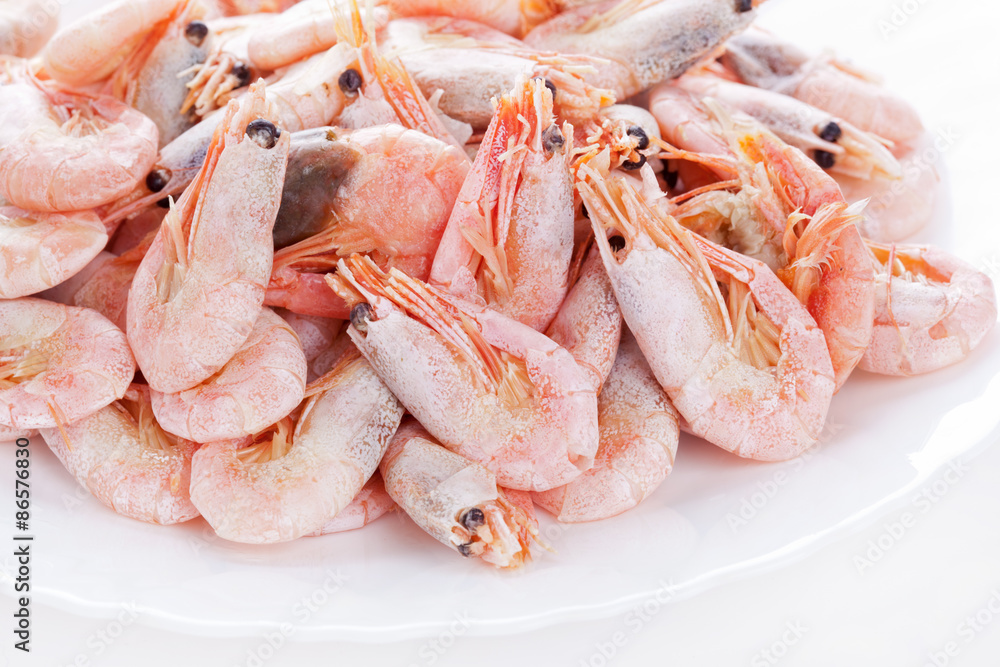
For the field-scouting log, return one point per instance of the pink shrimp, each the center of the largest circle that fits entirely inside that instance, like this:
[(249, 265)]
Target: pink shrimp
[(514, 17), (127, 461), (510, 236), (748, 370), (932, 310), (639, 433), (9, 434), (455, 500), (40, 250), (315, 334), (298, 475), (372, 502), (74, 151), (259, 386), (58, 364), (487, 387), (199, 289)]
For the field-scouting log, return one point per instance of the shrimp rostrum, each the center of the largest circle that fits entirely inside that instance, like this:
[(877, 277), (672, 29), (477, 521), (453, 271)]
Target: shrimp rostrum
[(741, 359)]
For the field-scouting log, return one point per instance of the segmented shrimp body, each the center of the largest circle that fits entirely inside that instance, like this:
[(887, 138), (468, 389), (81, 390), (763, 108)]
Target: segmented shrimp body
[(744, 363), (127, 461), (514, 17), (642, 42), (298, 475), (639, 433), (485, 386), (40, 250), (454, 500), (199, 289), (26, 25), (343, 193), (510, 236), (372, 502), (58, 363), (932, 309), (260, 385)]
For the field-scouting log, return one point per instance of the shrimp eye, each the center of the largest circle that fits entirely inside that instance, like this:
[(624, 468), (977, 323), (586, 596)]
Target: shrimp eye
[(350, 81), (831, 132), (671, 177), (473, 518), (823, 159), (640, 135), (743, 6), (164, 203), (264, 133), (196, 32), (242, 73), (158, 179), (465, 550), (617, 242), (628, 165), (361, 314), (552, 138)]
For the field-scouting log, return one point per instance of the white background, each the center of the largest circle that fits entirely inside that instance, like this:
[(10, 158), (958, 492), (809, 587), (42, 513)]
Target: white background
[(909, 604)]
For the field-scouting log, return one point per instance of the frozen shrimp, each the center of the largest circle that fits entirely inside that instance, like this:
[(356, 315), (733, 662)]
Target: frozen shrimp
[(58, 363), (932, 310), (454, 500), (299, 474), (486, 386), (315, 334), (199, 289), (509, 239), (641, 42), (260, 385), (106, 290), (738, 355), (372, 502), (639, 433), (40, 250), (225, 71), (127, 461), (9, 434), (514, 17), (26, 25)]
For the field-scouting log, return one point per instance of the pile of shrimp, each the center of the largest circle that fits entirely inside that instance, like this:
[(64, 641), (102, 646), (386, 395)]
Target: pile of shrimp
[(292, 266)]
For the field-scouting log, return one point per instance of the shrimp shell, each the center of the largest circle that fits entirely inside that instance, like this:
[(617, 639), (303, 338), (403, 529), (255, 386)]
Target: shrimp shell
[(372, 502)]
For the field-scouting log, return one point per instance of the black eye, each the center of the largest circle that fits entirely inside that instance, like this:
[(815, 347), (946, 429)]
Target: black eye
[(196, 32), (641, 136), (552, 88), (242, 73), (617, 242), (743, 6), (671, 177), (552, 138), (264, 133), (628, 165), (473, 518), (350, 81), (158, 179), (164, 203), (465, 550), (361, 315), (831, 132), (824, 159)]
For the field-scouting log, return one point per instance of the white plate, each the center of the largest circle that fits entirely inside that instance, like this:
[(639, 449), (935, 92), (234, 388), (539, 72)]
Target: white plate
[(888, 437)]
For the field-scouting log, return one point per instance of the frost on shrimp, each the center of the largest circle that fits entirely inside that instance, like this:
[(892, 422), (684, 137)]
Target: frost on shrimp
[(200, 288), (639, 433), (41, 250), (455, 500), (372, 502), (298, 475), (514, 17), (485, 386), (509, 239), (127, 461), (932, 310), (739, 356), (58, 364), (260, 385)]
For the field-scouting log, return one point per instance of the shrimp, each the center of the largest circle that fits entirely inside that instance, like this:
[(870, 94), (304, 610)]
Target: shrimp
[(639, 433), (510, 236), (299, 474), (26, 25), (514, 17), (589, 323), (643, 42), (315, 334), (58, 363), (8, 434), (127, 461), (74, 150), (263, 382), (106, 290), (833, 143), (740, 358), (92, 47), (40, 250), (763, 60), (932, 310), (372, 502), (199, 289), (463, 65), (487, 387), (247, 7), (343, 193), (454, 500)]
